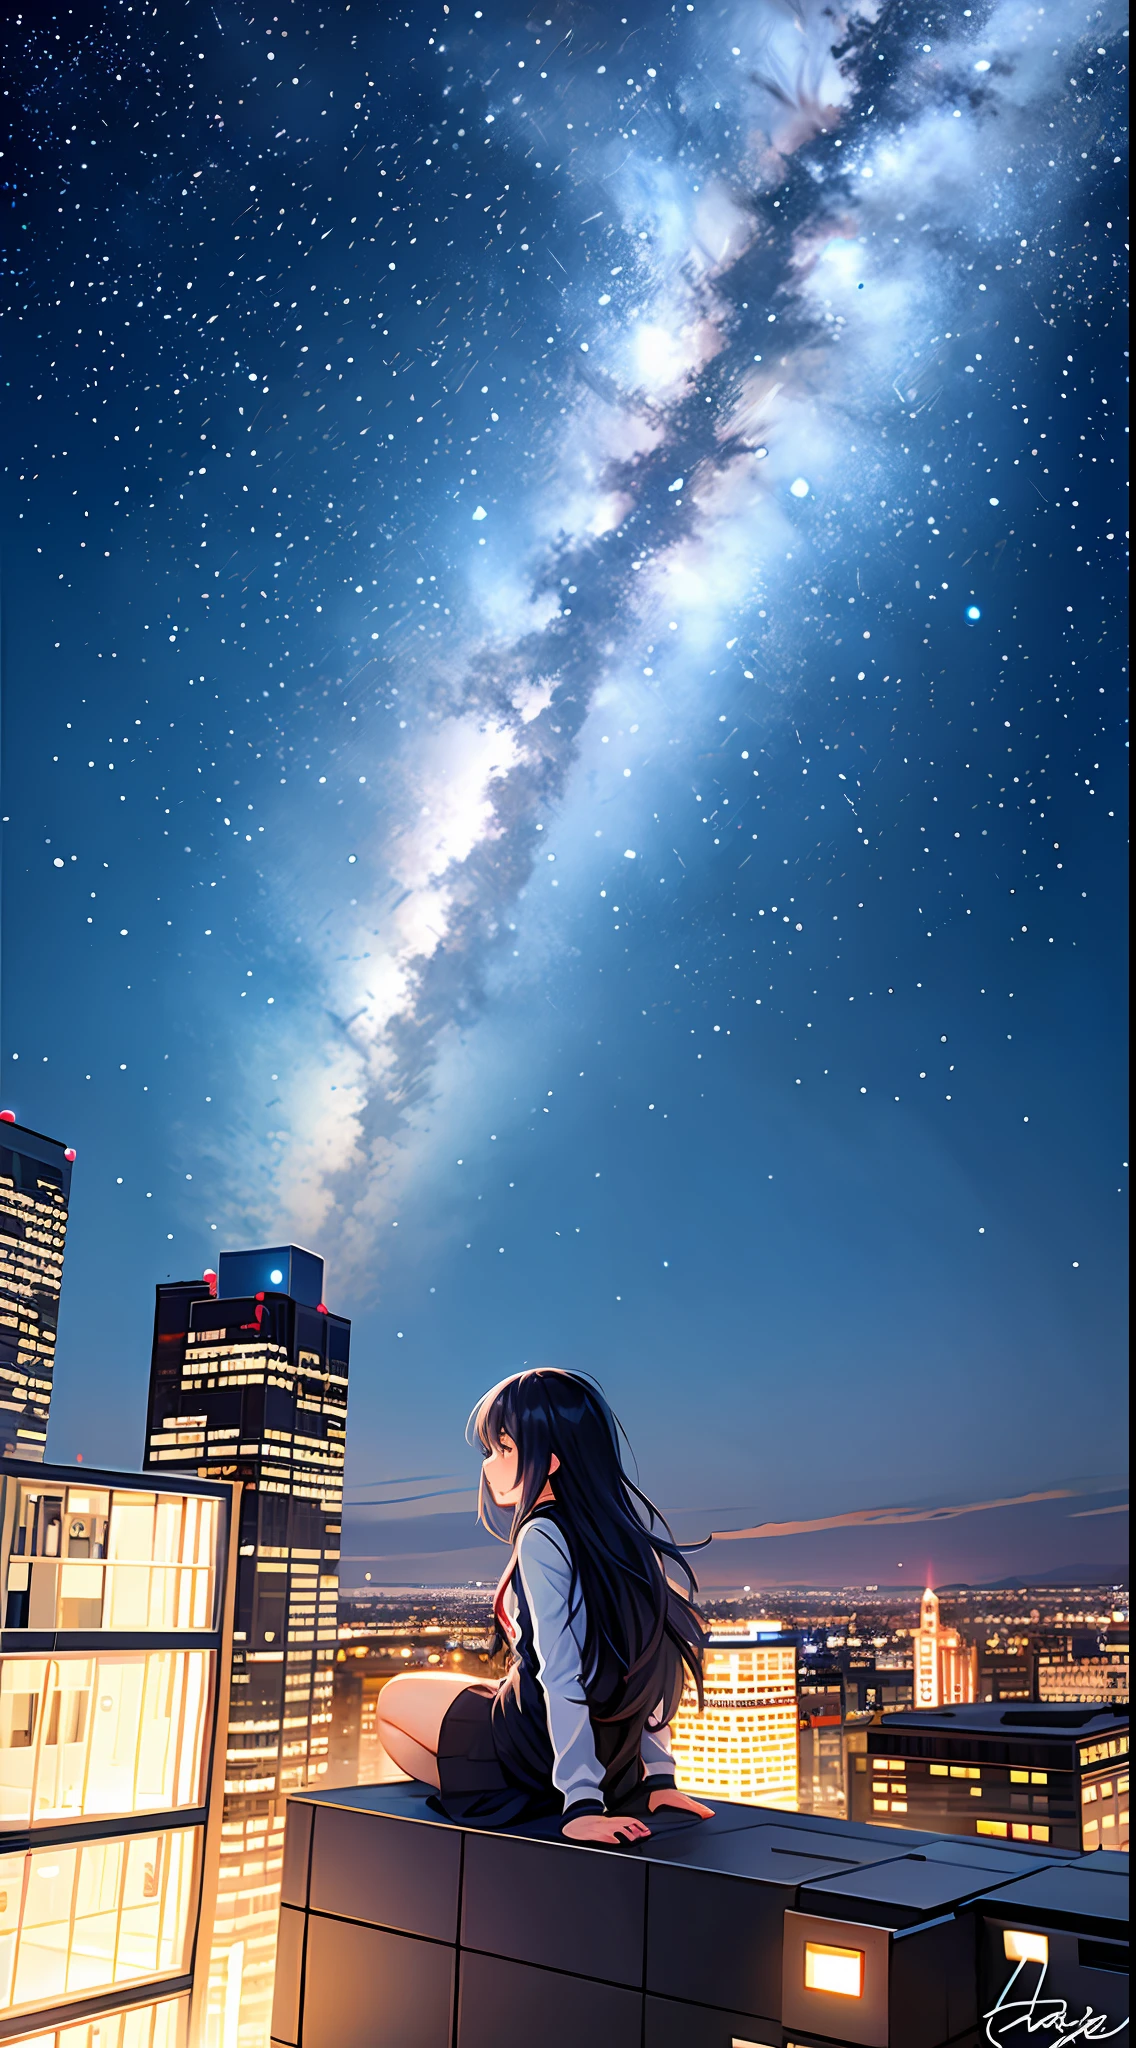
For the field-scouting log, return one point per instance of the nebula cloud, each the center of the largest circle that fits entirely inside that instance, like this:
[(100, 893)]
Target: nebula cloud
[(808, 222)]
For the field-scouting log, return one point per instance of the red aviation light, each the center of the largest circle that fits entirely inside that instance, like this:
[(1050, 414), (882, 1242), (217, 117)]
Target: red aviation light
[(322, 1309), (210, 1279), (7, 1116), (70, 1155)]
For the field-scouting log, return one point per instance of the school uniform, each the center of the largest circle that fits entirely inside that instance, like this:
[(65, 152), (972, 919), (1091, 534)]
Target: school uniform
[(531, 1746)]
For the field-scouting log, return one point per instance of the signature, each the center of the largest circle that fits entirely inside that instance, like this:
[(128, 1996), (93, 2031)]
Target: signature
[(1047, 2016)]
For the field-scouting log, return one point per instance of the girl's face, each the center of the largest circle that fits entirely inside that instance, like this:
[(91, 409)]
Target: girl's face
[(503, 1475)]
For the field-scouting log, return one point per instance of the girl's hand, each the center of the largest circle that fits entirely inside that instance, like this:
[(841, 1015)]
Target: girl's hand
[(605, 1827), (679, 1802)]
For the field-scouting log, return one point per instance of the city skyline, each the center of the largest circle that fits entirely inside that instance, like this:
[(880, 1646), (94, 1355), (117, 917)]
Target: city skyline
[(763, 1556)]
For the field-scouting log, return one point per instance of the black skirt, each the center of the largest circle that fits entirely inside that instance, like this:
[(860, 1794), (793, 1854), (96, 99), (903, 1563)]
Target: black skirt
[(475, 1787)]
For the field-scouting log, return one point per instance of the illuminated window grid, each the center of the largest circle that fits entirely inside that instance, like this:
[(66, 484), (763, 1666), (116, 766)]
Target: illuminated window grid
[(889, 1795), (744, 1744), (1099, 1752), (87, 1917), (31, 1266), (102, 1735), (1013, 1830), (158, 1571), (243, 1955), (124, 1597)]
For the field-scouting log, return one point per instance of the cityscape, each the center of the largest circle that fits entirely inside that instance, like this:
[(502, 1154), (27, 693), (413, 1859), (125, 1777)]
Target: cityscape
[(196, 1605), (564, 1051)]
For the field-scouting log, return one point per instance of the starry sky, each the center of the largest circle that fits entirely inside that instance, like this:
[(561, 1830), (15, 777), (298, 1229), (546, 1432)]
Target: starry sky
[(564, 733)]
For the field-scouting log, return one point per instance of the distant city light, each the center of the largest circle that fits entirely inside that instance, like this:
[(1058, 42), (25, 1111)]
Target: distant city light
[(276, 1276), (799, 488), (973, 612)]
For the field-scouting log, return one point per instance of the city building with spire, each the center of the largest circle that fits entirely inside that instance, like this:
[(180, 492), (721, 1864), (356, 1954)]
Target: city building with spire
[(945, 1668)]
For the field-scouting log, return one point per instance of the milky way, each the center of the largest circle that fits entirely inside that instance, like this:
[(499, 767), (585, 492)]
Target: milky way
[(564, 698)]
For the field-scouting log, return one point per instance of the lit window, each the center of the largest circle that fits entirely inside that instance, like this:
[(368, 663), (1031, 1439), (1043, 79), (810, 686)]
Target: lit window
[(1025, 1948), (1020, 1830), (1019, 1777), (1088, 1796), (938, 1770), (84, 1918), (992, 1827), (104, 1734), (1039, 1834), (834, 1969), (879, 1806), (1039, 1777)]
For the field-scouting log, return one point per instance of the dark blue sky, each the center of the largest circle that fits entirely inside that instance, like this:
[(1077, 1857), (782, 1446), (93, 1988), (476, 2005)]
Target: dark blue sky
[(564, 724)]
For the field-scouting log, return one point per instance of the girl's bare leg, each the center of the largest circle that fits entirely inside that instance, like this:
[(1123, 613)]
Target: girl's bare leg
[(411, 1710)]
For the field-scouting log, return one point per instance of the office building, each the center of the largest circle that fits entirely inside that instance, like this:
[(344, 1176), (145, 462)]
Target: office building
[(114, 1679), (1007, 1672), (743, 1745), (876, 1685), (1088, 1668), (249, 1383), (35, 1191), (1055, 1776), (399, 1927), (821, 1708), (945, 1668)]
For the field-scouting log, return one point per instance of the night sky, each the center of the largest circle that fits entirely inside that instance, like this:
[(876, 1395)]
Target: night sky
[(564, 731)]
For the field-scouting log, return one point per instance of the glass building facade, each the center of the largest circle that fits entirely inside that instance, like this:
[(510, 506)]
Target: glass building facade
[(742, 1745), (114, 1664), (35, 1191), (249, 1384)]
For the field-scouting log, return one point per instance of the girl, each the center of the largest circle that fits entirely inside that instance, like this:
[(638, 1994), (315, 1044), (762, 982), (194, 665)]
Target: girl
[(600, 1641)]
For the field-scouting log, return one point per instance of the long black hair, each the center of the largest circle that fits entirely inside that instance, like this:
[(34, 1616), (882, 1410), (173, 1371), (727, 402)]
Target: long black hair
[(641, 1633)]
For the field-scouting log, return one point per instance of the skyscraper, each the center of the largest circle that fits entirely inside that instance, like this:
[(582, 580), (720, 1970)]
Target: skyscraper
[(946, 1668), (743, 1745), (249, 1382), (35, 1190), (114, 1682)]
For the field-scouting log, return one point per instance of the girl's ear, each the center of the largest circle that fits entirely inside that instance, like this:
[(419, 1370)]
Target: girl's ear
[(553, 1464)]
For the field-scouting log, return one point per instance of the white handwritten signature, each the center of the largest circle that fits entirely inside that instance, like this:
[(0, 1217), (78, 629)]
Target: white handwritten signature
[(1048, 2016)]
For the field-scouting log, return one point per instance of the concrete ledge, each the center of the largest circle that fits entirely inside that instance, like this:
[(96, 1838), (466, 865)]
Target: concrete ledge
[(400, 1929)]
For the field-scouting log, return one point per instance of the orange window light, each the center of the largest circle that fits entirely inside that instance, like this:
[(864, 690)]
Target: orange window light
[(1025, 1948), (834, 1969)]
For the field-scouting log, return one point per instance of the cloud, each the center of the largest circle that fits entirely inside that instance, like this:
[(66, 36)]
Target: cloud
[(874, 1518)]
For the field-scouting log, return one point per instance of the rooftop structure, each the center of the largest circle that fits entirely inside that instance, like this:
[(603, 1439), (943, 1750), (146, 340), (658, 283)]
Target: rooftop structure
[(756, 1929), (1052, 1775)]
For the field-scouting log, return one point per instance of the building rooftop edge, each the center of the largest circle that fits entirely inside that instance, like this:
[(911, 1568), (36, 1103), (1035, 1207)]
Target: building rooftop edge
[(104, 1475)]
